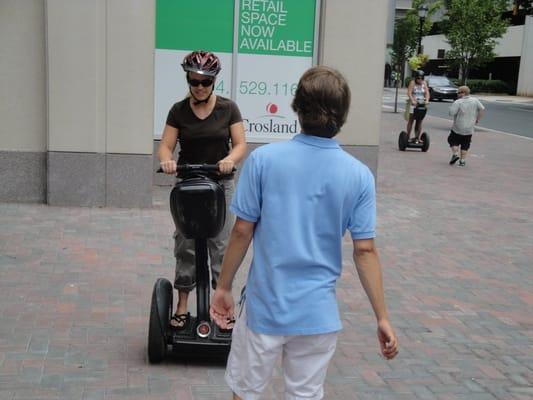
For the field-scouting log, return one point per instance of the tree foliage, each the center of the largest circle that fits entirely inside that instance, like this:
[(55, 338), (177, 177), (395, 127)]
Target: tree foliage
[(417, 62), (407, 30), (472, 29)]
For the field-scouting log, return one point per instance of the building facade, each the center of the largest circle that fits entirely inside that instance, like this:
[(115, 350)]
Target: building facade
[(512, 64), (77, 104)]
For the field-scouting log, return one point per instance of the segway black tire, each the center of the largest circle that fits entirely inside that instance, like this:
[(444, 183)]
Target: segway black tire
[(402, 140), (425, 141), (160, 311)]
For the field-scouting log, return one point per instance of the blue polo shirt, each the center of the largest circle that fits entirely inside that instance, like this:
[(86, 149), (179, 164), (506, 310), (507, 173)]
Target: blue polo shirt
[(303, 194)]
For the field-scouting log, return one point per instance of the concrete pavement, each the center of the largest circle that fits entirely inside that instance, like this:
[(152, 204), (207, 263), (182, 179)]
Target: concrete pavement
[(456, 247)]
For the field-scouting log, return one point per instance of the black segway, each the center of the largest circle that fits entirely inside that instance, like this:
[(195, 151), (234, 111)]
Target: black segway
[(198, 207), (405, 142)]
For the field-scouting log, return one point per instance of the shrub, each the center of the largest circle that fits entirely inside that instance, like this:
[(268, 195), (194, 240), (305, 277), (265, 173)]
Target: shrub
[(418, 61), (486, 86)]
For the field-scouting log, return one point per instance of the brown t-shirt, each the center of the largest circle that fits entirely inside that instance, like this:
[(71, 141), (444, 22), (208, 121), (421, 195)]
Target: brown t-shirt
[(204, 141)]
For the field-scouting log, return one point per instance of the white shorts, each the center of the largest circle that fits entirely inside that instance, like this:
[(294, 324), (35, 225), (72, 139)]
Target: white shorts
[(253, 357)]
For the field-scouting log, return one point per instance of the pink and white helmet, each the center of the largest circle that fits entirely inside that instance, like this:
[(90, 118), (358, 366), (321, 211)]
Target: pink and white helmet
[(201, 62)]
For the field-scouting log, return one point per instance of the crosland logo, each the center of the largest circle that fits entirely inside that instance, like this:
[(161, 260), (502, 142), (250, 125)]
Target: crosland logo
[(272, 108), (271, 123)]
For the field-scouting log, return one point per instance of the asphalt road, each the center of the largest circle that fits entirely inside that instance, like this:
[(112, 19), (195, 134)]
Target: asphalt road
[(505, 116)]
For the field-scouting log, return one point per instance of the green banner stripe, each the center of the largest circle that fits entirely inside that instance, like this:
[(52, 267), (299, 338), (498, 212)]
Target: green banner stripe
[(194, 25)]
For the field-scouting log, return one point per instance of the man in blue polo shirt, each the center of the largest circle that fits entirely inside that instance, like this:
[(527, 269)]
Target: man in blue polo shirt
[(296, 199)]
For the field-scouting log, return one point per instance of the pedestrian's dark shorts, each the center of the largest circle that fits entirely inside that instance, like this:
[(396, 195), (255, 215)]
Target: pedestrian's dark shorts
[(455, 139)]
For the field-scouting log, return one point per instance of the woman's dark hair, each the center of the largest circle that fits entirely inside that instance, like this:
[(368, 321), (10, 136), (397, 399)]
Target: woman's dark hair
[(322, 101)]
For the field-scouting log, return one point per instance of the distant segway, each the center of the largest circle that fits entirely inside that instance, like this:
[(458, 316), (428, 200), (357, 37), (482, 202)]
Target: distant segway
[(405, 142), (198, 207)]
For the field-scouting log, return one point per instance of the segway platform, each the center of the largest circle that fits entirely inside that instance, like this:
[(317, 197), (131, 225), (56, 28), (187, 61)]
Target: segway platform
[(198, 338), (196, 333), (405, 143)]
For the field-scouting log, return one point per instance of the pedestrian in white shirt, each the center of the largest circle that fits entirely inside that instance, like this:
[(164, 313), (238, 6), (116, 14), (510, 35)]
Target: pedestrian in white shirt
[(466, 112)]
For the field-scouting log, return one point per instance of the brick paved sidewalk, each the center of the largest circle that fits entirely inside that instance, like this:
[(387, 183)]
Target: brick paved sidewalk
[(456, 246)]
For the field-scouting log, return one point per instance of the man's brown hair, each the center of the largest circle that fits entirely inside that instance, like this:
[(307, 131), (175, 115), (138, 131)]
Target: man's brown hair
[(322, 101)]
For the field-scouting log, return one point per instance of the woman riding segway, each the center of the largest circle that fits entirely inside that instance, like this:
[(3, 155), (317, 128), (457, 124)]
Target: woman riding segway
[(418, 94), (416, 109), (210, 130)]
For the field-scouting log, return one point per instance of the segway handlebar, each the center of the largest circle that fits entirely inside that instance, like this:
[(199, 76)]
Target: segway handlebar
[(195, 168)]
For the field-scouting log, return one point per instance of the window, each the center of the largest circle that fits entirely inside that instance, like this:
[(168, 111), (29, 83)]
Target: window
[(441, 53)]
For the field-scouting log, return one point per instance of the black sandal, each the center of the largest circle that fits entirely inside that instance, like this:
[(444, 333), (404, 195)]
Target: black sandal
[(180, 321)]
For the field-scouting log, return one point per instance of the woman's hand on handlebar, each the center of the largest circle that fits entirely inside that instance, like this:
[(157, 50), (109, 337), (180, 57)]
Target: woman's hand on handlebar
[(168, 167), (226, 166)]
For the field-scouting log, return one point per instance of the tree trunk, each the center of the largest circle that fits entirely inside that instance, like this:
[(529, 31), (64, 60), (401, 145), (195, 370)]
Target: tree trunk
[(402, 73)]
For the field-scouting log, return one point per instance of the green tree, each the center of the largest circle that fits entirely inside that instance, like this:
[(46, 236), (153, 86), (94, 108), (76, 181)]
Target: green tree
[(472, 29), (406, 33), (404, 44)]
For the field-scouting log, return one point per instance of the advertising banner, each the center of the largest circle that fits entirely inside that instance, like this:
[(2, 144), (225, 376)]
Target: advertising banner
[(264, 47), (275, 46), (183, 26)]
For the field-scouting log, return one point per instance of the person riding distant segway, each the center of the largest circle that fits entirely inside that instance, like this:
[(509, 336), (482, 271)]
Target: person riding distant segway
[(210, 130), (416, 109), (418, 94)]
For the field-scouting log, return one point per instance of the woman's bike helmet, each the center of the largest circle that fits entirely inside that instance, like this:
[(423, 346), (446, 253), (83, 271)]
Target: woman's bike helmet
[(201, 62), (419, 73)]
